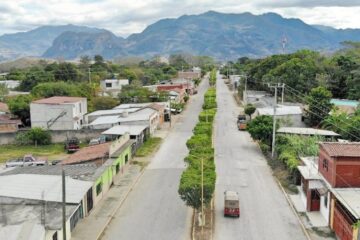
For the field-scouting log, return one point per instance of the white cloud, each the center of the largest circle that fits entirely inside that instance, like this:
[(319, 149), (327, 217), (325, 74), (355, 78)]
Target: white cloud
[(129, 16)]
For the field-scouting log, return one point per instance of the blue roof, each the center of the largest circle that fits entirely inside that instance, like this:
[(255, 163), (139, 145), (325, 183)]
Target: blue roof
[(344, 102)]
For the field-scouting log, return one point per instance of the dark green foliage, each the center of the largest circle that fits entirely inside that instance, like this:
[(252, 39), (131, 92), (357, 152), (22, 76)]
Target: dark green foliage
[(249, 109), (261, 128), (291, 147), (103, 103), (45, 90), (36, 135), (138, 94), (319, 105), (20, 106), (201, 155)]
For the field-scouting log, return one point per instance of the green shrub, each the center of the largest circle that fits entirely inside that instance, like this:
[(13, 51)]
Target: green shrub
[(197, 141), (203, 128), (35, 135)]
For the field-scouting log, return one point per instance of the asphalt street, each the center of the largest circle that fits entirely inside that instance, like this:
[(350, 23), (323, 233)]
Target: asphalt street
[(240, 166), (154, 210)]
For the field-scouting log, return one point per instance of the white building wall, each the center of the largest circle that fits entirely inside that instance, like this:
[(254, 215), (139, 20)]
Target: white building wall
[(41, 114), (325, 207)]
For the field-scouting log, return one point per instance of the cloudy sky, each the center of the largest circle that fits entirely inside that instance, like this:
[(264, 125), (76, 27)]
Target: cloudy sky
[(124, 17)]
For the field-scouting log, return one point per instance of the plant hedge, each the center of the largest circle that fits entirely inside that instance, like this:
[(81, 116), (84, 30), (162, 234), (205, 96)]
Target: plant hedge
[(201, 149)]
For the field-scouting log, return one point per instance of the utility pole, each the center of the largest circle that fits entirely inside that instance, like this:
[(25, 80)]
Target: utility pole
[(202, 198), (275, 86), (89, 74), (245, 89), (170, 111), (282, 93), (63, 202)]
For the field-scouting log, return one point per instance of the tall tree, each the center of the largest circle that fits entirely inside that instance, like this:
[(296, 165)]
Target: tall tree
[(319, 105)]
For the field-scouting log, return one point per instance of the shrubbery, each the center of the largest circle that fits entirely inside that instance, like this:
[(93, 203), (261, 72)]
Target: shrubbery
[(201, 150), (36, 135)]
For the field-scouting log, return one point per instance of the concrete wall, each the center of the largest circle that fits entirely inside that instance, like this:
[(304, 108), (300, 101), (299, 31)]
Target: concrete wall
[(57, 136), (325, 207)]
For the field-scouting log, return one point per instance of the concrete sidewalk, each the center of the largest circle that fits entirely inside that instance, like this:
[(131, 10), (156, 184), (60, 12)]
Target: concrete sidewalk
[(92, 226)]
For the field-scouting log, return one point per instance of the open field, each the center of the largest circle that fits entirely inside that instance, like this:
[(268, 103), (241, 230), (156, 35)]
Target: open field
[(53, 151)]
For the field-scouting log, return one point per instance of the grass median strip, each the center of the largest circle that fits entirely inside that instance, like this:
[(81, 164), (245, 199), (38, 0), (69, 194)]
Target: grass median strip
[(148, 147)]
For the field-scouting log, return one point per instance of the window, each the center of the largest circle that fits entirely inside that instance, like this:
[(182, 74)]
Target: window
[(325, 164), (98, 188), (80, 107), (108, 85), (117, 167), (126, 158)]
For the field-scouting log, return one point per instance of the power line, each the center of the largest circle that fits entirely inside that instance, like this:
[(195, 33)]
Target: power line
[(304, 98), (329, 122)]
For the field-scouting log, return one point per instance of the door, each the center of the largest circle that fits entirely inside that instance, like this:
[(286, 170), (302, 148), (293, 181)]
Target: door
[(315, 201), (89, 200)]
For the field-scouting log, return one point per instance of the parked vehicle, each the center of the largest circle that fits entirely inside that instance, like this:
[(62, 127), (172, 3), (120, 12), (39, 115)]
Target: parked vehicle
[(231, 204), (72, 145), (27, 160), (241, 125), (241, 117), (96, 141)]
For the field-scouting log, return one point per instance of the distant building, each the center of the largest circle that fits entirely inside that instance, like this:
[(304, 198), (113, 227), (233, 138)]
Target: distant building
[(4, 109), (189, 75), (7, 124), (289, 115), (112, 87), (58, 113), (10, 84), (308, 132)]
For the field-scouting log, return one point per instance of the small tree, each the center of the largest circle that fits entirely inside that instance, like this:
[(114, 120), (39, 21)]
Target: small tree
[(20, 106), (3, 91), (249, 110), (36, 135), (319, 105), (261, 128), (103, 103)]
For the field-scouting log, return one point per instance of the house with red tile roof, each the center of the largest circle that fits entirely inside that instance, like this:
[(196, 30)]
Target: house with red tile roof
[(58, 113), (330, 184)]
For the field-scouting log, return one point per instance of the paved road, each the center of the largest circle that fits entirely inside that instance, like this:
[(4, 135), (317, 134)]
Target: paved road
[(154, 211), (240, 166)]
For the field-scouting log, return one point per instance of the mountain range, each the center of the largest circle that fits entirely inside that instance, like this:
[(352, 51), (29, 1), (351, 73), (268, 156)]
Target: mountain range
[(212, 33)]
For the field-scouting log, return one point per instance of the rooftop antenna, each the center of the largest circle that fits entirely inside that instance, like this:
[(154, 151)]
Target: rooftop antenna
[(284, 41)]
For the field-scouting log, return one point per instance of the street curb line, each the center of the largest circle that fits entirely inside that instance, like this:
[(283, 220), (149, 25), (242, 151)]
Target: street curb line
[(120, 204), (294, 210)]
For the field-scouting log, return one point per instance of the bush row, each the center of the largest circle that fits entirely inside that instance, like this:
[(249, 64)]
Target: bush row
[(200, 150), (212, 79)]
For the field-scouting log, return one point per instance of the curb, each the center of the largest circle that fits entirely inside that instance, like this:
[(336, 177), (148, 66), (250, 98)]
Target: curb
[(294, 210), (120, 204)]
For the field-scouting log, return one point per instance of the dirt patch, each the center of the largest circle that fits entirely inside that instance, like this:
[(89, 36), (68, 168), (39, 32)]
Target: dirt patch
[(203, 232)]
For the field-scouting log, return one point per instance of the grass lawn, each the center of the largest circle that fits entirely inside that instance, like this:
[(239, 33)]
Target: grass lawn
[(53, 151), (148, 147)]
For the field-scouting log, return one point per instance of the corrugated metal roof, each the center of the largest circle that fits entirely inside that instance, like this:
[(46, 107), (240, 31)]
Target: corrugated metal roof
[(306, 131), (122, 129), (280, 110), (112, 111), (350, 198), (78, 171), (337, 149), (43, 187)]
